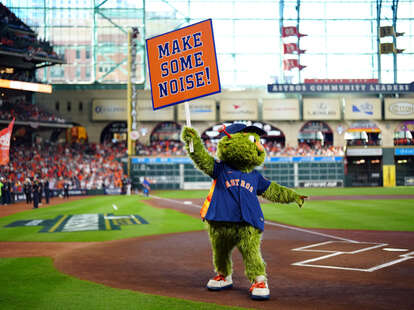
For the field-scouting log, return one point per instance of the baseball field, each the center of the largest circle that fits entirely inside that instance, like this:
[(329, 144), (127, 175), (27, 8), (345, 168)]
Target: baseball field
[(347, 248)]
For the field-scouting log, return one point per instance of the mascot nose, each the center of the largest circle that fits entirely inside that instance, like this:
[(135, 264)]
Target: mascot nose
[(259, 146)]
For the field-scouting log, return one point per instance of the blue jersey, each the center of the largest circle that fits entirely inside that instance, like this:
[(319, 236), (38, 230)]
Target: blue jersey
[(233, 197)]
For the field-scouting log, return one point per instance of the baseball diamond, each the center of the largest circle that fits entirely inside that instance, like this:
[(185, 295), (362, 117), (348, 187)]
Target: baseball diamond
[(214, 155), (365, 269)]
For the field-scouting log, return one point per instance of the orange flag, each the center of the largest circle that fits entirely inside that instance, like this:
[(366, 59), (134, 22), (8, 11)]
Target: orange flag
[(5, 135)]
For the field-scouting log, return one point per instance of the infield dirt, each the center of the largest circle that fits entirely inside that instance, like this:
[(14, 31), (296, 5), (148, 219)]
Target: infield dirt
[(179, 265)]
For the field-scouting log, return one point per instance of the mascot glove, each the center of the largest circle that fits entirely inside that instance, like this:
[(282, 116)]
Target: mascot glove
[(300, 200), (188, 134)]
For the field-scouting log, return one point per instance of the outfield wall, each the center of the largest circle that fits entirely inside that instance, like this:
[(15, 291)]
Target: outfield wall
[(180, 173)]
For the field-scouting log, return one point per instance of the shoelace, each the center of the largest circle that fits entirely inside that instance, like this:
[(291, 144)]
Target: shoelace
[(219, 278), (258, 285)]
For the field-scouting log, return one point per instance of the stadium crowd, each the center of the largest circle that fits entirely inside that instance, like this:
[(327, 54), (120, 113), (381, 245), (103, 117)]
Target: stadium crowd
[(83, 166), (161, 148), (17, 37), (98, 166), (26, 111), (273, 149)]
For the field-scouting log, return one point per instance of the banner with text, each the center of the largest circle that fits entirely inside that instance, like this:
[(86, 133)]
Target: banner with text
[(340, 88), (321, 109), (362, 108), (109, 110), (399, 108), (233, 110), (182, 65), (146, 113), (200, 110), (280, 109)]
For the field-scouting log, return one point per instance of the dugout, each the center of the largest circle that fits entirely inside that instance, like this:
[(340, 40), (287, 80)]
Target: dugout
[(404, 153), (364, 155)]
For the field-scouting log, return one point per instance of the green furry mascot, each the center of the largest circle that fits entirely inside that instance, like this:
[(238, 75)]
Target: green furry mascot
[(232, 210)]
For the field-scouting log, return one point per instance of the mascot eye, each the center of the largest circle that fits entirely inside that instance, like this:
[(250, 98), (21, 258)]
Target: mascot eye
[(251, 138)]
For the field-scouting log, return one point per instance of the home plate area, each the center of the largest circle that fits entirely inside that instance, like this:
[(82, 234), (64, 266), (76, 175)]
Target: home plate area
[(354, 256)]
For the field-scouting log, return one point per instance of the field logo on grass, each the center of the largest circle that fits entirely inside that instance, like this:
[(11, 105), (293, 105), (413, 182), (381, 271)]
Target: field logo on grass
[(182, 65), (82, 222)]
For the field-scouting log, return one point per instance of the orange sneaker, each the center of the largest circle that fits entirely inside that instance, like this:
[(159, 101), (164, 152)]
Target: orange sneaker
[(259, 289), (219, 283)]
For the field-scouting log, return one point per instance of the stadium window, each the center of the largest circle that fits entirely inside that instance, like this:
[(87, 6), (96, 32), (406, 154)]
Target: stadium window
[(68, 106), (88, 54), (57, 106), (78, 54), (57, 72), (80, 106), (78, 72), (87, 72)]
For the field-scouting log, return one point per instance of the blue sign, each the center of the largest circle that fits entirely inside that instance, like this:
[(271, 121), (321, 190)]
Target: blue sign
[(404, 151), (306, 159), (341, 88), (282, 159)]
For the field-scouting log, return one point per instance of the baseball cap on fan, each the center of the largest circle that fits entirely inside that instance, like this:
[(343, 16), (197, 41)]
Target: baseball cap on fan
[(239, 127)]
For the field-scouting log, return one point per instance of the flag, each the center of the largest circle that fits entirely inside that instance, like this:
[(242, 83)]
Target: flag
[(290, 31), (386, 31), (5, 135), (290, 48), (289, 64), (389, 48)]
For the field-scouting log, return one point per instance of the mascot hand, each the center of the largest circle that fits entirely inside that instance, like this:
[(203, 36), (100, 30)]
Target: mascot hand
[(188, 134), (300, 200)]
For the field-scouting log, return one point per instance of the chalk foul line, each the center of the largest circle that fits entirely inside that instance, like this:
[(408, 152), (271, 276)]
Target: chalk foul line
[(308, 248), (268, 222)]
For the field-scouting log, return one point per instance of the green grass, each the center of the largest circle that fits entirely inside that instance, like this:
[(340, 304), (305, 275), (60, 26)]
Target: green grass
[(161, 221), (350, 191), (187, 194), (33, 283), (395, 215)]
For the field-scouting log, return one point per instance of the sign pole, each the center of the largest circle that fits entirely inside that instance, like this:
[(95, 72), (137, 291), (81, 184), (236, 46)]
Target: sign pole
[(188, 119)]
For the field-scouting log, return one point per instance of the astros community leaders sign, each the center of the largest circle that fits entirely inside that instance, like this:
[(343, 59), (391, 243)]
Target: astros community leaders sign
[(182, 65), (341, 88)]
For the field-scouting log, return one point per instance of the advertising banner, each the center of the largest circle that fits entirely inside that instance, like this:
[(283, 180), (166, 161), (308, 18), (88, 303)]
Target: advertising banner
[(280, 109), (364, 152), (182, 65), (399, 108), (362, 108), (321, 109), (146, 113), (341, 88), (201, 110), (233, 110), (109, 110)]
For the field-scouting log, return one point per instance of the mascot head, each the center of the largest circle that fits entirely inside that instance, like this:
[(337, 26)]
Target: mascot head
[(240, 146)]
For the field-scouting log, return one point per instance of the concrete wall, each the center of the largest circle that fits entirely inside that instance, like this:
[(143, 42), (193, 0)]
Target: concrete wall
[(94, 128)]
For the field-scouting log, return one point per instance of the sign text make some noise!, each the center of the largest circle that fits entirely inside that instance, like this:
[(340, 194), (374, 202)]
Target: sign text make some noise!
[(182, 65)]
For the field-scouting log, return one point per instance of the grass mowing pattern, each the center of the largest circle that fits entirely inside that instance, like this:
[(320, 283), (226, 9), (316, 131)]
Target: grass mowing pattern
[(161, 221), (33, 283), (396, 214), (393, 215), (348, 191)]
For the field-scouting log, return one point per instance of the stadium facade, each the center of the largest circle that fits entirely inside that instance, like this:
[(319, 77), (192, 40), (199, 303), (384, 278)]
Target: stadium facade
[(263, 79)]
